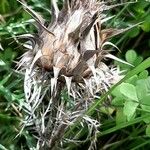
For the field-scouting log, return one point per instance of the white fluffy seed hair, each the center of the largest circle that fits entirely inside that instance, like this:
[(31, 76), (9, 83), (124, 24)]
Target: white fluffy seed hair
[(66, 59)]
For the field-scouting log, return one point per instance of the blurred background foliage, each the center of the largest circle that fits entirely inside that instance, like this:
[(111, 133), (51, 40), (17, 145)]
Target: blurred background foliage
[(134, 47)]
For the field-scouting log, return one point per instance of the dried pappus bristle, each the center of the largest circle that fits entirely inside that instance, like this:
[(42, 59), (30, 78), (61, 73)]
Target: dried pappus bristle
[(68, 58)]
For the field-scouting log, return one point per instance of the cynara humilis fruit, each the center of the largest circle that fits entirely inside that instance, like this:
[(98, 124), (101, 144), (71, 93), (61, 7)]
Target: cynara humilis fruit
[(67, 59)]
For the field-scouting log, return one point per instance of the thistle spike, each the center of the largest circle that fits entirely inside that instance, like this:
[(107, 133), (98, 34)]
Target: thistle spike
[(117, 59), (68, 83), (56, 72), (88, 85), (53, 83), (106, 19), (88, 28), (109, 33), (54, 80), (73, 94), (34, 14), (55, 10), (109, 43), (40, 21), (37, 56), (27, 86), (93, 71)]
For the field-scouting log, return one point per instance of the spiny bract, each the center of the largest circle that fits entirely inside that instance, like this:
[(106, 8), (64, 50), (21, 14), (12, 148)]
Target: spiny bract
[(66, 57)]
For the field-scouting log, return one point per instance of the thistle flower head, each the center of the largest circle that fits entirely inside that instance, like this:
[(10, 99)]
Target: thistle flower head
[(71, 47), (67, 55)]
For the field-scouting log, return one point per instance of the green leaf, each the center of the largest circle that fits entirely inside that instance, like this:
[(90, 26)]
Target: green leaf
[(146, 26), (120, 116), (140, 6), (132, 80), (143, 74), (9, 54), (107, 110), (130, 109), (145, 103), (131, 56), (146, 120), (7, 94), (134, 32), (5, 79), (4, 7), (143, 88), (138, 60), (116, 92), (117, 101), (5, 119), (148, 130), (129, 91)]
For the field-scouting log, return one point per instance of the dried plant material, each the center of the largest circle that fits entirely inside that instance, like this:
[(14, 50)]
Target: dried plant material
[(67, 57)]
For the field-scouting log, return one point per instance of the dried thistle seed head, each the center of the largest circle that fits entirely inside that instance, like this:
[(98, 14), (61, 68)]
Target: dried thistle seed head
[(74, 41), (70, 51), (68, 55)]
